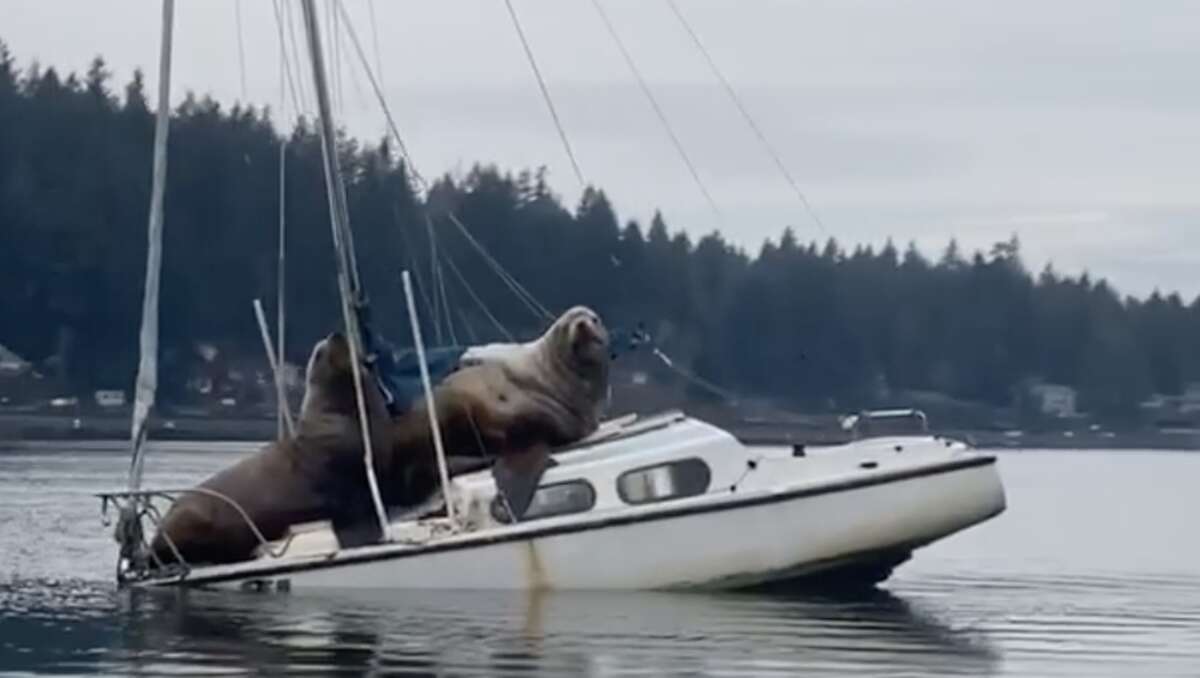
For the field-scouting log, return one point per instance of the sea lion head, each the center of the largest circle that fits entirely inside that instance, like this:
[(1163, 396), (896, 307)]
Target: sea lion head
[(330, 360), (329, 414), (329, 378), (584, 337), (578, 345)]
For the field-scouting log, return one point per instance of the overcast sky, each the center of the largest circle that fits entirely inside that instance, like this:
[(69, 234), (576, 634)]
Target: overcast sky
[(1074, 124)]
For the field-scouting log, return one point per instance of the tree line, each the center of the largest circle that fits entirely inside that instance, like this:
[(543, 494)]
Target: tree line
[(816, 325)]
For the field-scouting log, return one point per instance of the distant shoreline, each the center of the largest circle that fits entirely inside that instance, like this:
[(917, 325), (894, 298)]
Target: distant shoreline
[(18, 427), (26, 431), (1134, 440)]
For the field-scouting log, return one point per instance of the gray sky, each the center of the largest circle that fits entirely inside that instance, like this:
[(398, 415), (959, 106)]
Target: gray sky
[(1073, 123)]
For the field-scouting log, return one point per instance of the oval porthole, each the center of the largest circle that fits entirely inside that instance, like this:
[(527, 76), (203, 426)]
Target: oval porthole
[(556, 499), (673, 480)]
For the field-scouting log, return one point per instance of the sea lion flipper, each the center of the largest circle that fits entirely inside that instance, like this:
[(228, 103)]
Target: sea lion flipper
[(517, 475), (356, 530)]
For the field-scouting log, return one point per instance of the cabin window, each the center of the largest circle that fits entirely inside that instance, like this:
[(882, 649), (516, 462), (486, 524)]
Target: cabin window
[(685, 478), (573, 496)]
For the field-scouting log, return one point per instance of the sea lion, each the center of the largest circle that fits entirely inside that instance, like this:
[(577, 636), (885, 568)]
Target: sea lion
[(511, 402), (317, 474)]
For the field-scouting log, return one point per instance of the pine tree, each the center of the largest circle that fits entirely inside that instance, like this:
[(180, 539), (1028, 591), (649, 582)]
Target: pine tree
[(816, 325)]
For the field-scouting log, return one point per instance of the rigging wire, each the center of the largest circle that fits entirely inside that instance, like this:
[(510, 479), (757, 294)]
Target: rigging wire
[(745, 113), (297, 55), (472, 336), (530, 302), (387, 113), (694, 378), (537, 74), (339, 56), (446, 306), (359, 95), (479, 302), (433, 277), (237, 16), (658, 111), (412, 259), (375, 42), (332, 48), (285, 66), (335, 70)]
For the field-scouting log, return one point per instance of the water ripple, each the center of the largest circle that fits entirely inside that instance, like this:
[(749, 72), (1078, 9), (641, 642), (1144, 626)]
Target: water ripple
[(1005, 599)]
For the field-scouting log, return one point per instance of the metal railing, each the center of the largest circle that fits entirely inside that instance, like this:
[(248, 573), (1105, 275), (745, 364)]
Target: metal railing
[(138, 561)]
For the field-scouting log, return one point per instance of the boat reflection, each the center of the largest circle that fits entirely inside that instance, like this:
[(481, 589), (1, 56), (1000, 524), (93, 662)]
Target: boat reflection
[(500, 633)]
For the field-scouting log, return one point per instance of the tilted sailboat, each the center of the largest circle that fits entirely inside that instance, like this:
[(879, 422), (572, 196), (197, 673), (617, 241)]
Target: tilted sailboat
[(665, 501)]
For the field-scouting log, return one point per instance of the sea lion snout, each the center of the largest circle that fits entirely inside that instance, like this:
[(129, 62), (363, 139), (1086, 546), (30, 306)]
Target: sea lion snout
[(587, 335), (331, 355), (335, 343), (328, 377)]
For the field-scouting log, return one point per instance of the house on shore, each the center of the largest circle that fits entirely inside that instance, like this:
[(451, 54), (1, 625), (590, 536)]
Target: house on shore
[(1174, 411), (1055, 400), (20, 383)]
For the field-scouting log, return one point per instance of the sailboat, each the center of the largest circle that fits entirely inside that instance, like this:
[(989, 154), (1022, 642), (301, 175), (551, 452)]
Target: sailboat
[(646, 502)]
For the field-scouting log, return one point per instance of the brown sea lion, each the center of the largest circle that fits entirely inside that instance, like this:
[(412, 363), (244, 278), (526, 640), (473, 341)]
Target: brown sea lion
[(316, 475), (511, 402)]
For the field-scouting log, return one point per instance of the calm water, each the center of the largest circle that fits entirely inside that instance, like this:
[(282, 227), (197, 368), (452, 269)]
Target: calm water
[(1094, 570)]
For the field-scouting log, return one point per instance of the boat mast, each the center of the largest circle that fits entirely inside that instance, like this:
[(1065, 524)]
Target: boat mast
[(147, 376), (283, 414), (349, 286)]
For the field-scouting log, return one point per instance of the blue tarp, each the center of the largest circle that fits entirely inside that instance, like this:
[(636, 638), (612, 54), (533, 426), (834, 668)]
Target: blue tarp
[(398, 372)]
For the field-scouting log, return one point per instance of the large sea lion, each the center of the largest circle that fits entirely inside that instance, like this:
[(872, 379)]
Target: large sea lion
[(511, 402), (316, 475)]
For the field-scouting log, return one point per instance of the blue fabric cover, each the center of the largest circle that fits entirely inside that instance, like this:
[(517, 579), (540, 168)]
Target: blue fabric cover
[(398, 372)]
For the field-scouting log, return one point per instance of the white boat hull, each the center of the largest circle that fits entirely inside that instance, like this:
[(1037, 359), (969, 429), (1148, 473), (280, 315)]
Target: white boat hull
[(755, 538)]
